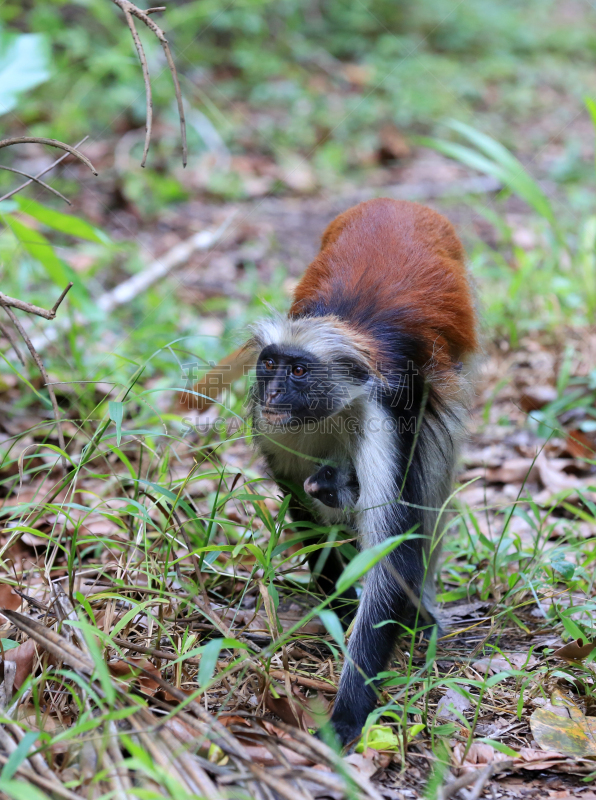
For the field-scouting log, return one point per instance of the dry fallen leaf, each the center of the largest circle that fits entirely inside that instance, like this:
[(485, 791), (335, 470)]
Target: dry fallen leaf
[(513, 470), (24, 657), (122, 670), (493, 664), (250, 739), (364, 762), (581, 445), (527, 758), (575, 651), (572, 735), (392, 143), (451, 702), (299, 710), (536, 397), (555, 480), (9, 598), (479, 755)]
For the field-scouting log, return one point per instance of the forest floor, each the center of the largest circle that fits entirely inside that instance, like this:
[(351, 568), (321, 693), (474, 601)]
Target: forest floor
[(105, 550)]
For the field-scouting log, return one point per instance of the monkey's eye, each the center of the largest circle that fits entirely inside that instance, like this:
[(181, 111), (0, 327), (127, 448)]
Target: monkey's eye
[(269, 363), (298, 371), (328, 474)]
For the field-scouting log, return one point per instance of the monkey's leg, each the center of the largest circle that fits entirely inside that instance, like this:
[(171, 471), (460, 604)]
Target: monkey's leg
[(389, 596)]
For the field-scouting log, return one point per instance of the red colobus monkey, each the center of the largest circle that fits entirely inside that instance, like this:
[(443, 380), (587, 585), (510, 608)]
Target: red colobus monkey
[(360, 399), (368, 375)]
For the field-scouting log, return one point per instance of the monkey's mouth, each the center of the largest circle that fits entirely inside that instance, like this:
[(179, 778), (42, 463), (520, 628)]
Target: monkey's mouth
[(275, 417)]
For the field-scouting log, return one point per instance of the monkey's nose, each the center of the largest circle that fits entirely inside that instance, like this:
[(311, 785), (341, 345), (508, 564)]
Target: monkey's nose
[(310, 486), (272, 396)]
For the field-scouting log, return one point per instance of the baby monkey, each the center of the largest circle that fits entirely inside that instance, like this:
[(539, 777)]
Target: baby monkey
[(334, 488)]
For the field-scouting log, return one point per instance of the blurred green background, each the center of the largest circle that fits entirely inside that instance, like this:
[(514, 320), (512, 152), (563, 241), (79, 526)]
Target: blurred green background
[(294, 101)]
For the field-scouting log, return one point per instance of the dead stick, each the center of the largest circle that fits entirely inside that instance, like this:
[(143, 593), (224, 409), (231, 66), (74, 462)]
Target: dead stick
[(133, 286), (148, 97), (53, 143), (483, 779), (129, 8), (39, 174), (32, 309), (36, 180), (55, 787), (7, 333)]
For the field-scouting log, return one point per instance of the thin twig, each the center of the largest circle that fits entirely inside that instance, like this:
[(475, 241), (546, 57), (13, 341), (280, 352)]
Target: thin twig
[(130, 9), (155, 9), (146, 78), (58, 302), (141, 281), (483, 779), (29, 308), (53, 143), (7, 333), (39, 174), (53, 787), (36, 180), (6, 303)]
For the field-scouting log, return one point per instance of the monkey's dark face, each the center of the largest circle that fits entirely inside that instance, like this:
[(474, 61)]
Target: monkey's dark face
[(335, 487), (293, 385)]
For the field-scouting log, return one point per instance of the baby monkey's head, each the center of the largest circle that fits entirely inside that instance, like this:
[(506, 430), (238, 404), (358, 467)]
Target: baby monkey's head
[(336, 487)]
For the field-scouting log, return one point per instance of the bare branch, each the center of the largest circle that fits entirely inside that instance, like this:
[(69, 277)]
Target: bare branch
[(29, 308), (130, 9), (36, 180), (58, 302), (39, 174), (7, 333), (146, 78), (53, 143), (141, 281), (155, 9)]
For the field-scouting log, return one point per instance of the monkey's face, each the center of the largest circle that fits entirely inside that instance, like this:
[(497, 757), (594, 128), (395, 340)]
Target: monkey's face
[(292, 385), (335, 487)]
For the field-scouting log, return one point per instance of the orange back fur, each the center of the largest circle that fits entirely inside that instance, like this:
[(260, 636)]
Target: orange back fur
[(398, 255)]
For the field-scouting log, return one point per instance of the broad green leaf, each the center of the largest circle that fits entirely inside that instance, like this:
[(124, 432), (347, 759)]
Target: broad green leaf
[(571, 628), (38, 247), (21, 790), (331, 622), (382, 737), (65, 223), (364, 561), (130, 615), (23, 64), (502, 748), (210, 654), (273, 594), (116, 411), (516, 176), (496, 161), (563, 567), (8, 644), (36, 244), (18, 755)]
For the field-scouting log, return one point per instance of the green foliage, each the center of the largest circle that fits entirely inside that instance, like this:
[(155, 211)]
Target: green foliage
[(24, 61), (540, 287), (292, 76)]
